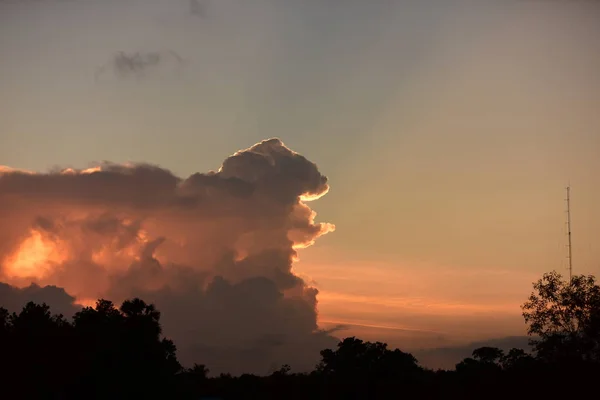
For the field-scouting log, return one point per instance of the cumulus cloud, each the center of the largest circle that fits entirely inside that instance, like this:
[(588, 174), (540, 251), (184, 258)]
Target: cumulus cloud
[(213, 251)]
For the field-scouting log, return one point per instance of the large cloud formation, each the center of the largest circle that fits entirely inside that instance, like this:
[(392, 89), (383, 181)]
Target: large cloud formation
[(214, 251)]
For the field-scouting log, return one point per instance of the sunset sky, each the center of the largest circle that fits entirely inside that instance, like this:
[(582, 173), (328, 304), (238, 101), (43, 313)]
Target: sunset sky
[(447, 132)]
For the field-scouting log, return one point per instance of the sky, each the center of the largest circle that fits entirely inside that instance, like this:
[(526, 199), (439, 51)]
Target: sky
[(447, 132)]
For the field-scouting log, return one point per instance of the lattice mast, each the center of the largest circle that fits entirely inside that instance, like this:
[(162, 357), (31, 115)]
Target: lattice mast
[(569, 245)]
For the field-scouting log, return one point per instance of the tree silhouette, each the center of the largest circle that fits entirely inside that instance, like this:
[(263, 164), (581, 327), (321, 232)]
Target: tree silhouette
[(36, 349), (124, 345), (488, 355), (565, 316), (4, 323), (120, 353), (484, 361), (517, 360), (199, 371), (358, 369), (354, 358), (283, 371)]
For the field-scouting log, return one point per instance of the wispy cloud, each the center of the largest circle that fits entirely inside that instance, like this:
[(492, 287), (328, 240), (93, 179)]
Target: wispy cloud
[(424, 305)]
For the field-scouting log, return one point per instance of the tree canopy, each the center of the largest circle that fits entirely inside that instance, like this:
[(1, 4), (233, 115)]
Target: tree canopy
[(564, 318), (121, 353)]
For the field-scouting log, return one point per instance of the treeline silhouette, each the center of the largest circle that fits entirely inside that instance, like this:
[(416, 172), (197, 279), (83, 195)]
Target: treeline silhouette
[(106, 352)]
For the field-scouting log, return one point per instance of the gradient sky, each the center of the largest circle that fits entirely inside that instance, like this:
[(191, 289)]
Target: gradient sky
[(448, 131)]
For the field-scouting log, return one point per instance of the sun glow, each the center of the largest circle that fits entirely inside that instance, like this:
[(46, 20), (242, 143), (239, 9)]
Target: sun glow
[(35, 257), (85, 302)]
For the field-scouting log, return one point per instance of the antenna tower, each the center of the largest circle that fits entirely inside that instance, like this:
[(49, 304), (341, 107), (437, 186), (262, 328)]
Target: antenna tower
[(570, 255)]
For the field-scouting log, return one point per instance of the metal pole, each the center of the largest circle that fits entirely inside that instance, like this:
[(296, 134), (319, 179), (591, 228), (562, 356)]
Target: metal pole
[(569, 233)]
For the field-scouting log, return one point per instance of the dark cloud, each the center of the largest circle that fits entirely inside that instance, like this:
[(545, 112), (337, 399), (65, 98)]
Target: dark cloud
[(140, 64), (214, 251), (13, 299), (197, 8)]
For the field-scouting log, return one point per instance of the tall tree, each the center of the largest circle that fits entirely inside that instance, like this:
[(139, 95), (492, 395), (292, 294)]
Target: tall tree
[(565, 318)]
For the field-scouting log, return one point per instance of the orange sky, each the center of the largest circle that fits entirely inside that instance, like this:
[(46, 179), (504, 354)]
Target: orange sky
[(431, 305), (447, 133)]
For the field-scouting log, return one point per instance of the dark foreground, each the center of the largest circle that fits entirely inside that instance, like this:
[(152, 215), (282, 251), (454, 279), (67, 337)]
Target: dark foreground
[(119, 353)]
